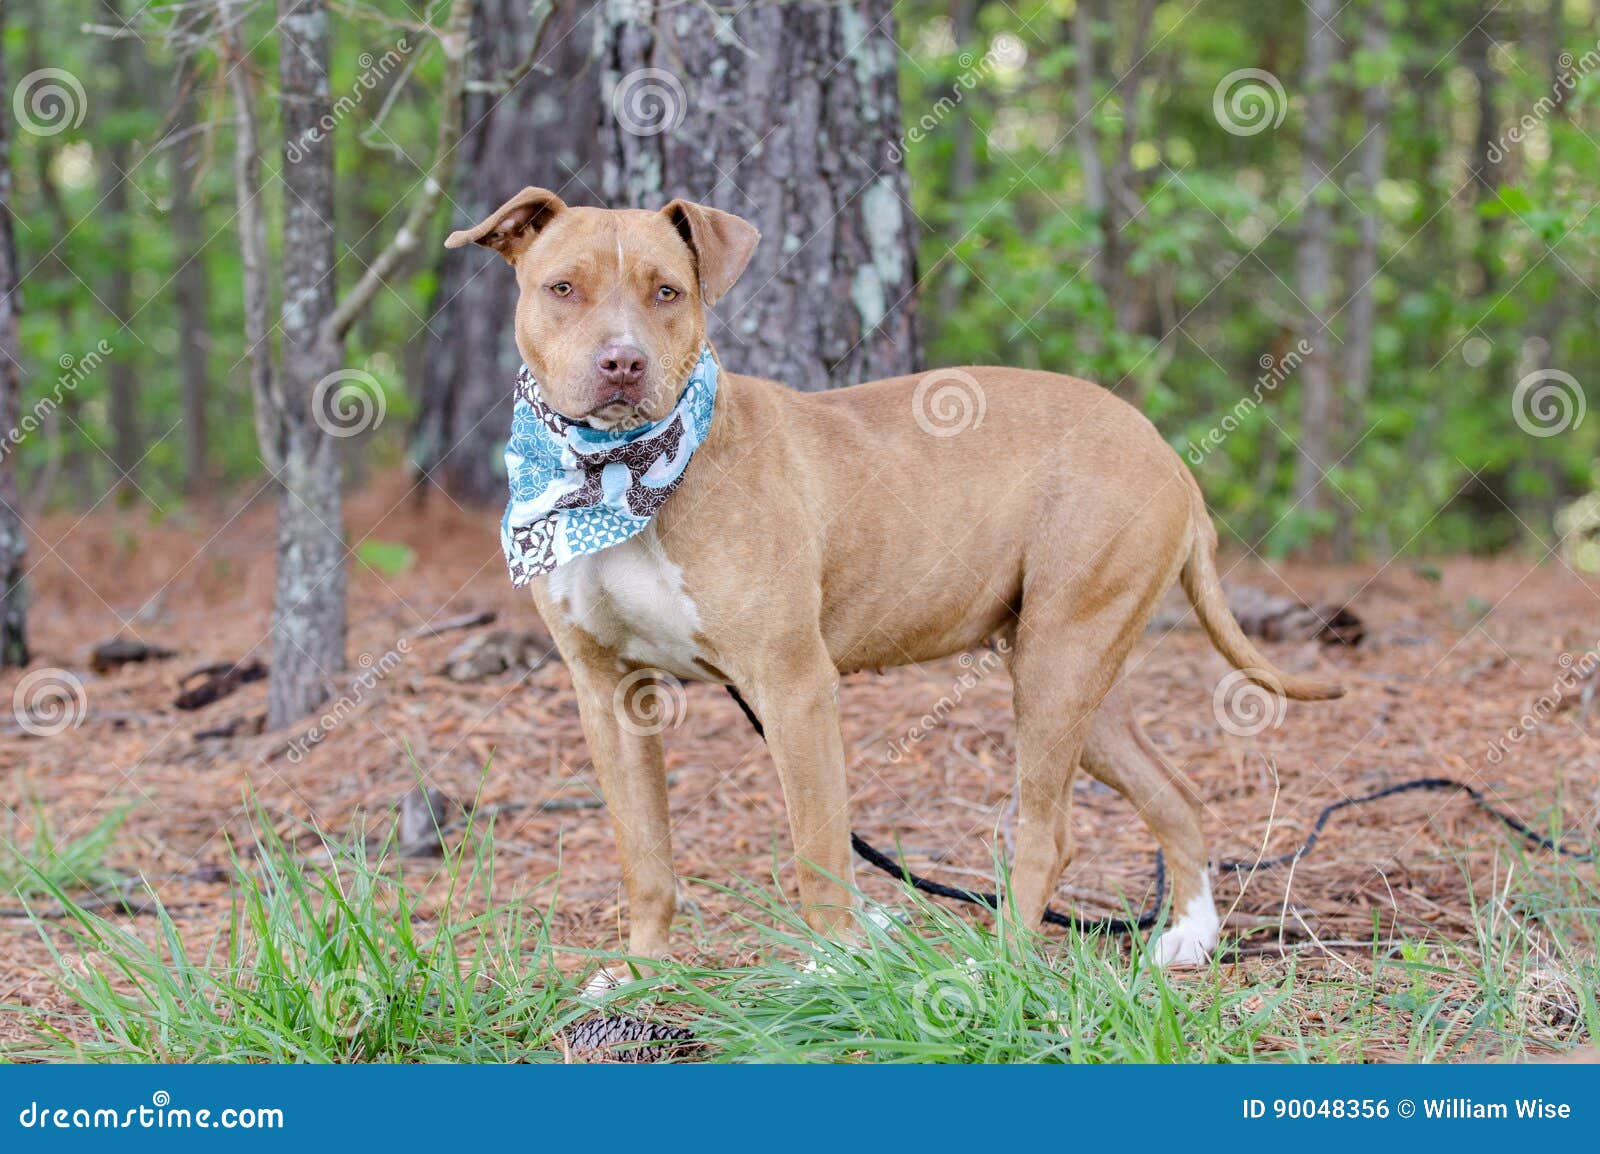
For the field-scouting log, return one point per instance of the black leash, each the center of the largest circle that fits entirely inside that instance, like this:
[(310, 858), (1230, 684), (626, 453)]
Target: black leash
[(896, 869)]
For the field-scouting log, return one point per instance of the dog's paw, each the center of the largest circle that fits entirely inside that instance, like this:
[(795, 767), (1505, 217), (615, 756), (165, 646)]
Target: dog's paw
[(1191, 939), (601, 984)]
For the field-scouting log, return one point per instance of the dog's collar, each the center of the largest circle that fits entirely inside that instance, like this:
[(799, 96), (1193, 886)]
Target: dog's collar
[(576, 490)]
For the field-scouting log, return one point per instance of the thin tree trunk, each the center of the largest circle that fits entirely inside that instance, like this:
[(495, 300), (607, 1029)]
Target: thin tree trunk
[(543, 131), (1084, 19), (1317, 406), (786, 115), (69, 452), (1128, 301), (13, 535), (1364, 261), (1111, 197), (190, 290), (1539, 507), (121, 55), (308, 612), (963, 148), (300, 405), (1485, 169)]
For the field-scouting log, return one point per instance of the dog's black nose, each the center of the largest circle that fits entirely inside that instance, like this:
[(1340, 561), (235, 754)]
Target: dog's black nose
[(621, 366)]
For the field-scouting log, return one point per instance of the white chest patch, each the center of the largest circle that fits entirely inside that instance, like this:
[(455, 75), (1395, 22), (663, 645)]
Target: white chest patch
[(630, 598)]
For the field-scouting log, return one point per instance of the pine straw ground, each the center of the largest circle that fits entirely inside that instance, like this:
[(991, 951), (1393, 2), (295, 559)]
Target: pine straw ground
[(1455, 653)]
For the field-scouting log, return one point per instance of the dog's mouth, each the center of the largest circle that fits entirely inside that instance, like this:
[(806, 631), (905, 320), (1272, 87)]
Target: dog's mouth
[(616, 417)]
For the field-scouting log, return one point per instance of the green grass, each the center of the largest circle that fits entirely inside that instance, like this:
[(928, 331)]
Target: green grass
[(354, 955), (45, 862), (932, 985), (936, 986), (338, 959), (1526, 979)]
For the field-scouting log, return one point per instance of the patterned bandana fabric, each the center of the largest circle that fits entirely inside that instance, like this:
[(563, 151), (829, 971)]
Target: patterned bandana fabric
[(577, 490)]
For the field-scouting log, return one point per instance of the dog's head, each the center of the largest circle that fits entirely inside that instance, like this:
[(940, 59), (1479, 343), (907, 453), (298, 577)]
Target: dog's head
[(612, 308)]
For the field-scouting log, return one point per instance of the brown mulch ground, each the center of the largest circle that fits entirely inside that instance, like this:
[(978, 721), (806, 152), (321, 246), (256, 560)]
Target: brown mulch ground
[(1455, 653)]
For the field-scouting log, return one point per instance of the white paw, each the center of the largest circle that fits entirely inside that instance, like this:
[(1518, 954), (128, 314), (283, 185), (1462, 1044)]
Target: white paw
[(1191, 939), (597, 987), (881, 918)]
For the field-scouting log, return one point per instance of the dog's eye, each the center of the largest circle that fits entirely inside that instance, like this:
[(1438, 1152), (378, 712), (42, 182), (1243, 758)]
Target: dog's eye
[(666, 293), (561, 288)]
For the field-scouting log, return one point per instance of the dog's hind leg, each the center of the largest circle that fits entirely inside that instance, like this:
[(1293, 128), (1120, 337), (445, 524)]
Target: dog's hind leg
[(1118, 752), (1056, 692), (1071, 641)]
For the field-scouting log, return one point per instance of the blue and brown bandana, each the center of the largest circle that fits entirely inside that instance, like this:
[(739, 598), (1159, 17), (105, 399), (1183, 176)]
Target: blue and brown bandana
[(577, 490)]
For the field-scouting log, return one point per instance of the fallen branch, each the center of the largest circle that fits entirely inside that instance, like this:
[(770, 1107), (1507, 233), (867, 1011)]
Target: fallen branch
[(1278, 618), (451, 624), (212, 683), (119, 651)]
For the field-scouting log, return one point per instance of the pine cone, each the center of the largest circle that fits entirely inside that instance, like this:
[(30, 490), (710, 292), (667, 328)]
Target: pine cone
[(622, 1039)]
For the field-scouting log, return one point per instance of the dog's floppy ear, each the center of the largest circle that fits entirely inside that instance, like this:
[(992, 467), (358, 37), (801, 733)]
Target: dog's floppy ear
[(511, 228), (721, 242)]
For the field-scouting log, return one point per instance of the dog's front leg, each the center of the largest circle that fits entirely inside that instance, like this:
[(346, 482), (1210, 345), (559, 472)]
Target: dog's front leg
[(797, 700), (626, 749)]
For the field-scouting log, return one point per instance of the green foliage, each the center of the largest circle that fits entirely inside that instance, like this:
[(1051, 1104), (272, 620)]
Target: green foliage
[(47, 862), (1528, 975), (335, 957), (1473, 293), (1480, 283), (928, 984), (340, 952), (387, 558), (70, 249)]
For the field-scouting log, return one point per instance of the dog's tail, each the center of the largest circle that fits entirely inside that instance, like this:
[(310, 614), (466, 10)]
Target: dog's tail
[(1204, 587)]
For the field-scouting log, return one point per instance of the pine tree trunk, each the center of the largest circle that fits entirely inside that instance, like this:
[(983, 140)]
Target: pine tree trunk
[(787, 115), (13, 536), (542, 132), (308, 612), (963, 152), (1363, 306), (190, 290), (1479, 43), (121, 60), (1317, 402)]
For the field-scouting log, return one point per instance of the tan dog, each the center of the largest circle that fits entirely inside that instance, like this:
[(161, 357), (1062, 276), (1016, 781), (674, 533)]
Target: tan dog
[(818, 534)]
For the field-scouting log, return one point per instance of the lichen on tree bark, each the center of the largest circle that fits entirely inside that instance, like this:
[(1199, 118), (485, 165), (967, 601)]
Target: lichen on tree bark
[(789, 116)]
